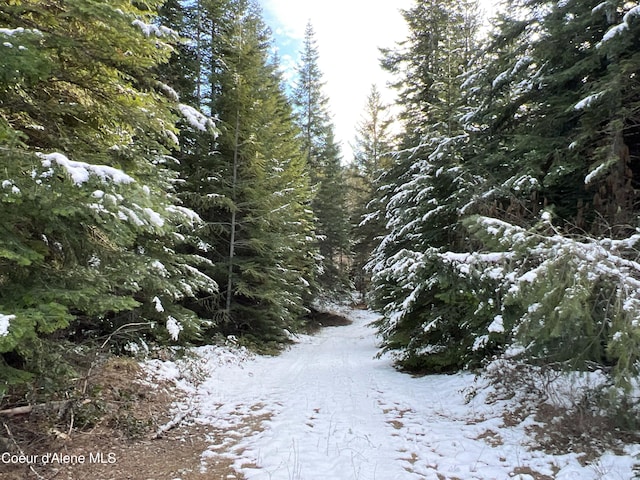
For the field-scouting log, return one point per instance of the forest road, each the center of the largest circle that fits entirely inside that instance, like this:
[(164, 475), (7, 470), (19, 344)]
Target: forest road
[(329, 409)]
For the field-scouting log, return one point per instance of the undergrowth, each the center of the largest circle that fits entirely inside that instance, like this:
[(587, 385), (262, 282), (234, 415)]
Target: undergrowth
[(573, 411)]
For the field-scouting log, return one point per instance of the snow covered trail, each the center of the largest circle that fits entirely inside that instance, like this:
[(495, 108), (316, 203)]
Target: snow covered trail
[(327, 409)]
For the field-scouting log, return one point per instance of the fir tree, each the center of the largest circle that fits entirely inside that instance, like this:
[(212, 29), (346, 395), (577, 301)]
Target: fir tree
[(184, 70), (91, 221), (548, 134), (251, 187), (332, 219), (544, 143), (425, 191), (312, 106), (200, 25), (551, 134)]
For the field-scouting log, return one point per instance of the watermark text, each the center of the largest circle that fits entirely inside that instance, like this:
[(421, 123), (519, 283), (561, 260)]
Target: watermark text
[(59, 458)]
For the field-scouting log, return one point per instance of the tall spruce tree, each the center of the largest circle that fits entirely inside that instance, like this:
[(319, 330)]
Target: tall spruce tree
[(312, 105), (324, 163), (250, 184), (552, 121), (416, 293)]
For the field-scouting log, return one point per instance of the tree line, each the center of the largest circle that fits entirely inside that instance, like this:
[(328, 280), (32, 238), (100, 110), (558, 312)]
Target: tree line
[(159, 185), (507, 214)]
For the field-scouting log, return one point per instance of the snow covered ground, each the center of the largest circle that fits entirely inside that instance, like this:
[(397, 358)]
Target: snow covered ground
[(327, 409)]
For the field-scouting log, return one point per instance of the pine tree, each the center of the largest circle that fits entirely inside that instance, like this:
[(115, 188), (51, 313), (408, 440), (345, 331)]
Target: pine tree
[(324, 163), (312, 106), (536, 141), (184, 72), (332, 227)]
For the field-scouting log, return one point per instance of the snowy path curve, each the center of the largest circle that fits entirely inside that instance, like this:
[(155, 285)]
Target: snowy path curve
[(327, 409)]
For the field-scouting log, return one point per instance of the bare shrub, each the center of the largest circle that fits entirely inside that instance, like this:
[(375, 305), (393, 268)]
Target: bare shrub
[(574, 411)]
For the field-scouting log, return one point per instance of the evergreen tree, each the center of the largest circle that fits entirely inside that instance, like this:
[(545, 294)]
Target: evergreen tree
[(324, 163), (372, 157), (200, 25), (550, 135), (332, 219), (184, 71), (552, 121), (91, 222), (422, 305), (373, 139), (556, 134), (250, 185), (312, 106)]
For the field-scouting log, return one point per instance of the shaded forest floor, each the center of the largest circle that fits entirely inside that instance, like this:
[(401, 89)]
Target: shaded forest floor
[(122, 445)]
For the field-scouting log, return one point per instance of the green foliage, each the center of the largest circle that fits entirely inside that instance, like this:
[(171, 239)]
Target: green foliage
[(269, 230), (545, 297), (420, 330), (372, 158), (121, 203), (20, 61), (90, 220), (249, 184), (332, 230), (424, 193), (554, 114), (567, 300), (540, 121)]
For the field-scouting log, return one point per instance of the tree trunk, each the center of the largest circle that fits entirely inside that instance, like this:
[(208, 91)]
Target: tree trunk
[(232, 240)]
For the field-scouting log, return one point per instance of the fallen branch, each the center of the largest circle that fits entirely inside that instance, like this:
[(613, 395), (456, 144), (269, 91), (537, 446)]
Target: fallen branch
[(17, 410), (174, 422), (61, 406)]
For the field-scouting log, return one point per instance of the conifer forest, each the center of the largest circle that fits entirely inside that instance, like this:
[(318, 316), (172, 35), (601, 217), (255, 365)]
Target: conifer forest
[(163, 184)]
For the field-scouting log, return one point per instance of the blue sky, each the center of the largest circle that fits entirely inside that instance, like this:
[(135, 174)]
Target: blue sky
[(288, 46)]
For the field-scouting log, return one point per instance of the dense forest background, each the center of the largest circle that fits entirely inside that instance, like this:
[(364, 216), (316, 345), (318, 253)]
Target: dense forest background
[(161, 184)]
